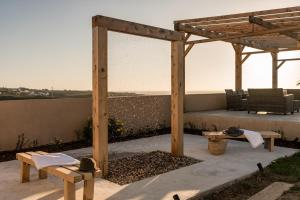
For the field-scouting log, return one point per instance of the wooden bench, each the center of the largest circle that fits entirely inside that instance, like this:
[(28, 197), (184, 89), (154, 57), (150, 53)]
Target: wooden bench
[(269, 137), (69, 174)]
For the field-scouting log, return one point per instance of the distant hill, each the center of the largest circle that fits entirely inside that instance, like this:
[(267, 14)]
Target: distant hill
[(22, 93)]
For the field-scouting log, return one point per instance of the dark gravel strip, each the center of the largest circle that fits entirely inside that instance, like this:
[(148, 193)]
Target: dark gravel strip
[(143, 165)]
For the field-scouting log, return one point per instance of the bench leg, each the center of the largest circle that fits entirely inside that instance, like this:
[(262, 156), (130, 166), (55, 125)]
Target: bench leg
[(269, 144), (42, 174), (69, 190), (25, 172), (88, 190)]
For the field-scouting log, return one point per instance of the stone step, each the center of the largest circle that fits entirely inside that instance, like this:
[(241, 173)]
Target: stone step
[(272, 192)]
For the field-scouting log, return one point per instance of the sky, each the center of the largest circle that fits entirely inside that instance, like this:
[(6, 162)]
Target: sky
[(48, 44)]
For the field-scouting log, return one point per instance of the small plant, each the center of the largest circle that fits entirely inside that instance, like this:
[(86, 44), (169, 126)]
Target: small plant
[(33, 143), (214, 127), (115, 130), (56, 141), (21, 142)]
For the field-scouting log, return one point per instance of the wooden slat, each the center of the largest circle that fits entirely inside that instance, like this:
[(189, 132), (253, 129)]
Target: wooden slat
[(280, 50), (215, 37), (239, 15), (269, 25), (289, 59), (246, 27), (282, 17), (123, 26), (238, 37), (177, 97), (100, 99)]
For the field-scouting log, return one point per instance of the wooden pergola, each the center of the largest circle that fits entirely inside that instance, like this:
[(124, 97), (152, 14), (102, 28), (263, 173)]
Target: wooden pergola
[(269, 31)]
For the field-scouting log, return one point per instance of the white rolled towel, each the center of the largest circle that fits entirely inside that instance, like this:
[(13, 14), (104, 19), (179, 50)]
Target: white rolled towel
[(254, 138)]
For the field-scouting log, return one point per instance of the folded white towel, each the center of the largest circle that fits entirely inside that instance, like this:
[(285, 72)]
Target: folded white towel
[(254, 138), (53, 159)]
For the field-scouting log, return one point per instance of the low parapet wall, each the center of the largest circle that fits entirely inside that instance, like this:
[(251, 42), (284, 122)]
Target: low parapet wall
[(45, 119)]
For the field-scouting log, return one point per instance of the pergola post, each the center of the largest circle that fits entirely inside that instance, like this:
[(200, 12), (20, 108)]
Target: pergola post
[(100, 104), (274, 55), (238, 65), (177, 96)]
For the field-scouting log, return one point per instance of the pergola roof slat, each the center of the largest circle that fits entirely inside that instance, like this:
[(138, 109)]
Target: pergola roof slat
[(240, 15), (264, 30)]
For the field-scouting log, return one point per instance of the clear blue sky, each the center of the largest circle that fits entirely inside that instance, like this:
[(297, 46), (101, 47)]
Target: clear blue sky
[(46, 44)]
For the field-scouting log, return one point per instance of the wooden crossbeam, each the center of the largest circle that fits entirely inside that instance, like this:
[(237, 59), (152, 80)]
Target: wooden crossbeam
[(215, 35), (187, 37), (289, 59), (245, 58), (118, 25), (187, 50), (280, 50), (237, 36), (245, 26), (269, 25), (281, 17), (280, 64), (240, 15)]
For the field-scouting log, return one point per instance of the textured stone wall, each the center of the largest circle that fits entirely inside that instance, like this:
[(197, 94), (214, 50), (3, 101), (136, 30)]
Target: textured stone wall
[(44, 119), (141, 112)]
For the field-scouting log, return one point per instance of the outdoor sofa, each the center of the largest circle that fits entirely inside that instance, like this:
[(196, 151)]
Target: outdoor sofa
[(296, 93), (270, 100), (236, 100)]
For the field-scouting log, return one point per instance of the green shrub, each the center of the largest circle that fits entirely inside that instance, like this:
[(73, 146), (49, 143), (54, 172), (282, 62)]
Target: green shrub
[(115, 130)]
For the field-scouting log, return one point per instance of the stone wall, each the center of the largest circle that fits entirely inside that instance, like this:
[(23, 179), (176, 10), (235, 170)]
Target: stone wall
[(44, 119)]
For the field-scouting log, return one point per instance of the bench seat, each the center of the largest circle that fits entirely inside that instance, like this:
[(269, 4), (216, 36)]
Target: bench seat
[(268, 136), (70, 175)]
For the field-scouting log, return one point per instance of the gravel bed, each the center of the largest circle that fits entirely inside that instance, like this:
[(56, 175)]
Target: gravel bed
[(143, 165)]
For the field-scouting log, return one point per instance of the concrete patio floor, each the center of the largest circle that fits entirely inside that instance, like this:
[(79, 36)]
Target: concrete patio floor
[(289, 124), (239, 161)]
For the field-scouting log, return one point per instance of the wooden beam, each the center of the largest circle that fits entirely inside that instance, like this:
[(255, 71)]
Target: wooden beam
[(274, 69), (118, 25), (289, 59), (280, 50), (269, 25), (215, 35), (280, 17), (246, 27), (177, 97), (237, 36), (187, 50), (238, 66), (239, 15), (245, 58), (100, 99), (187, 37), (281, 63)]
